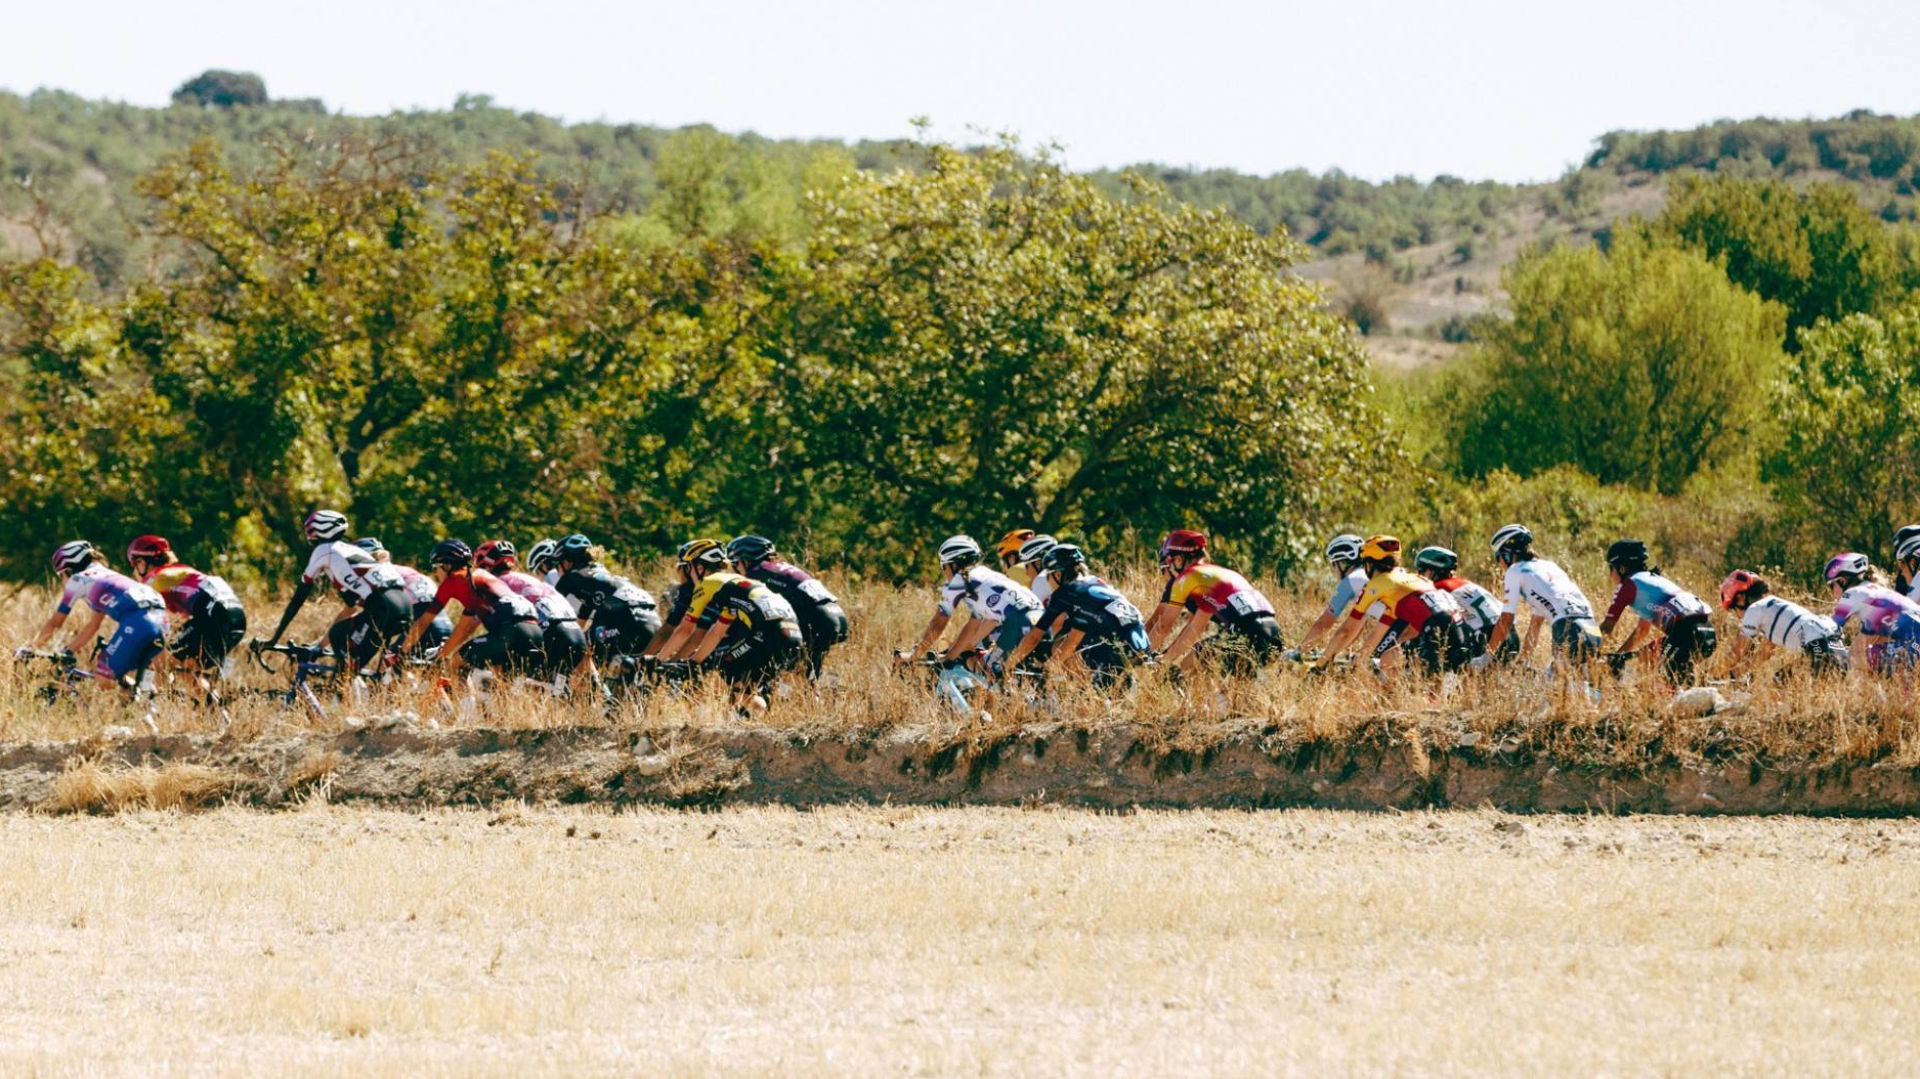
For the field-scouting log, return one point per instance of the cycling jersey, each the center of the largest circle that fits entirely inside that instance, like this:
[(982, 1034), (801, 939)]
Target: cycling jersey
[(795, 585), (1098, 611), (1546, 589), (420, 587), (1479, 605), (482, 595), (1786, 624), (1882, 612), (188, 592), (354, 573), (733, 599), (1346, 591), (1042, 587), (1656, 599), (1219, 591), (988, 594), (595, 590), (1405, 596), (549, 606), (115, 595)]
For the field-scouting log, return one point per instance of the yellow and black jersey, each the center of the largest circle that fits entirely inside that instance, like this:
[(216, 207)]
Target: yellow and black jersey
[(731, 598)]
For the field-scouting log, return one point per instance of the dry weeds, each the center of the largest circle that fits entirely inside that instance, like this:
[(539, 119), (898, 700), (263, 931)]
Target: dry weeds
[(934, 942)]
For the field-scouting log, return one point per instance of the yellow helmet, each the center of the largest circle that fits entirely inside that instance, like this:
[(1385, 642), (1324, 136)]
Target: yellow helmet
[(1380, 549), (706, 553), (1009, 545)]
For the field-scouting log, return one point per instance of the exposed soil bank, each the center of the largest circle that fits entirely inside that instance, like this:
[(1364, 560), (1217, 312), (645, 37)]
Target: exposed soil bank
[(1121, 767)]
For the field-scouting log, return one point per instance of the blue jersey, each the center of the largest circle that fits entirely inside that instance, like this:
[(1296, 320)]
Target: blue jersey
[(1098, 611), (115, 595), (1656, 599)]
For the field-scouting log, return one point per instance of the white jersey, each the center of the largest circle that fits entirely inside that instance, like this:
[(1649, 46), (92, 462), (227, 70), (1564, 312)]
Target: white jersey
[(1042, 588), (989, 594), (1547, 590), (1786, 624), (1481, 606), (354, 572)]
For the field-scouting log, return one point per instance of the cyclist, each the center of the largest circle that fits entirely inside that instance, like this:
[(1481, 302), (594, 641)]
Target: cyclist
[(1009, 550), (212, 620), (678, 598), (1905, 580), (1660, 603), (513, 642), (1412, 611), (740, 626), (1209, 593), (139, 615), (823, 622), (620, 617), (1549, 593), (1033, 565), (543, 560), (420, 592), (1086, 618), (376, 611), (1482, 608), (1889, 635), (1000, 609), (563, 641), (1779, 623), (1343, 554)]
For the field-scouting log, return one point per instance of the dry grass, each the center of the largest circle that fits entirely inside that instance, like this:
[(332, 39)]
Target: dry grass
[(87, 786), (1788, 723), (532, 943)]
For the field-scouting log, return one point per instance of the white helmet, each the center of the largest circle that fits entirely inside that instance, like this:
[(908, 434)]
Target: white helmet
[(1511, 537), (73, 556), (959, 549), (1847, 564), (322, 526), (1344, 547), (1036, 548), (1909, 549)]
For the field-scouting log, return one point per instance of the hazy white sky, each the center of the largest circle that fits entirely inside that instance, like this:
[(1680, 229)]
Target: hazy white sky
[(1503, 89)]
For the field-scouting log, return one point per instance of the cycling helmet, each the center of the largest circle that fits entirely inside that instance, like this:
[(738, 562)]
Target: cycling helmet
[(750, 549), (708, 554), (1063, 557), (1737, 585), (1380, 549), (369, 545), (73, 556), (1344, 547), (1512, 539), (962, 551), (1909, 549), (1036, 548), (578, 548), (451, 553), (324, 526), (1009, 545), (1438, 559), (1627, 553), (151, 548), (1182, 541), (1905, 533), (494, 555), (1847, 564), (541, 555)]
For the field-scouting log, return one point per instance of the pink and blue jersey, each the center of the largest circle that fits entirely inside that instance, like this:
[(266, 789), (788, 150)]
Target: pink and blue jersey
[(1656, 599), (1879, 611), (139, 616)]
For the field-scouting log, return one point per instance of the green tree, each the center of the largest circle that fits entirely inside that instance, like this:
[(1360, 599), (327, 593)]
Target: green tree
[(1848, 408), (1640, 366), (1817, 252), (222, 89)]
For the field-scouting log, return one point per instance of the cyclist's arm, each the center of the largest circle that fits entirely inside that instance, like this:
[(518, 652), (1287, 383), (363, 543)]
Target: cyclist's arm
[(463, 631), (1343, 639), (971, 634), (676, 646), (1639, 634), (1736, 652), (1031, 641), (298, 600), (414, 633), (1066, 651), (710, 642), (1161, 624), (935, 627), (47, 629), (1502, 629), (1190, 635), (87, 632), (1533, 634)]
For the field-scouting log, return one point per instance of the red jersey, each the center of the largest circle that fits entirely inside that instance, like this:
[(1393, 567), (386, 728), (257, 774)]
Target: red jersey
[(483, 596)]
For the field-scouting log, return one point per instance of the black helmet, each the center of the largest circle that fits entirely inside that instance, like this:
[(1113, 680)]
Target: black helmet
[(370, 544), (1627, 554), (452, 553), (1438, 559), (1065, 557), (747, 549)]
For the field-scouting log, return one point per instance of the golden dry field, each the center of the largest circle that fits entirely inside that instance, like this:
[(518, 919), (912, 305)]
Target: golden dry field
[(523, 942)]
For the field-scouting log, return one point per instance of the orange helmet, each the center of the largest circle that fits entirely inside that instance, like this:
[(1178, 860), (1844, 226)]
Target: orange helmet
[(1009, 545), (1380, 548), (150, 548), (1737, 585)]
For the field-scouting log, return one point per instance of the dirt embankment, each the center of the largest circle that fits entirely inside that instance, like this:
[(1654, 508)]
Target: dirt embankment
[(1379, 768)]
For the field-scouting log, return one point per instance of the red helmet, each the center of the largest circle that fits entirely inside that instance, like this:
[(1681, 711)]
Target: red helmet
[(495, 555), (150, 548), (1737, 584), (1183, 541)]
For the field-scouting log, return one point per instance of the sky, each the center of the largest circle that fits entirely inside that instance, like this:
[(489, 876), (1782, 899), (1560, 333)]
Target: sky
[(1481, 89)]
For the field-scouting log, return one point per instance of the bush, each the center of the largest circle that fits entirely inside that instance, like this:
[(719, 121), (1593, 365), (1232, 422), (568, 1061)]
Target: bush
[(222, 89)]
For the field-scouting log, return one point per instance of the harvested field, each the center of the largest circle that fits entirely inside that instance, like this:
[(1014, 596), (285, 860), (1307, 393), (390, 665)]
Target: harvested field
[(933, 942)]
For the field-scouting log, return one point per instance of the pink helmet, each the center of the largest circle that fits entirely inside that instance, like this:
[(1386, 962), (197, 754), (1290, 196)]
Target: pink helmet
[(1847, 564)]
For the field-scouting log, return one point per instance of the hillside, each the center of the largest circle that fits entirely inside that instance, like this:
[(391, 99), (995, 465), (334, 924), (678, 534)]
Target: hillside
[(1412, 262)]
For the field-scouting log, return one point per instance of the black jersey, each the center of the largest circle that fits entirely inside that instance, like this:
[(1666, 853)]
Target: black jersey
[(1098, 611), (599, 594)]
